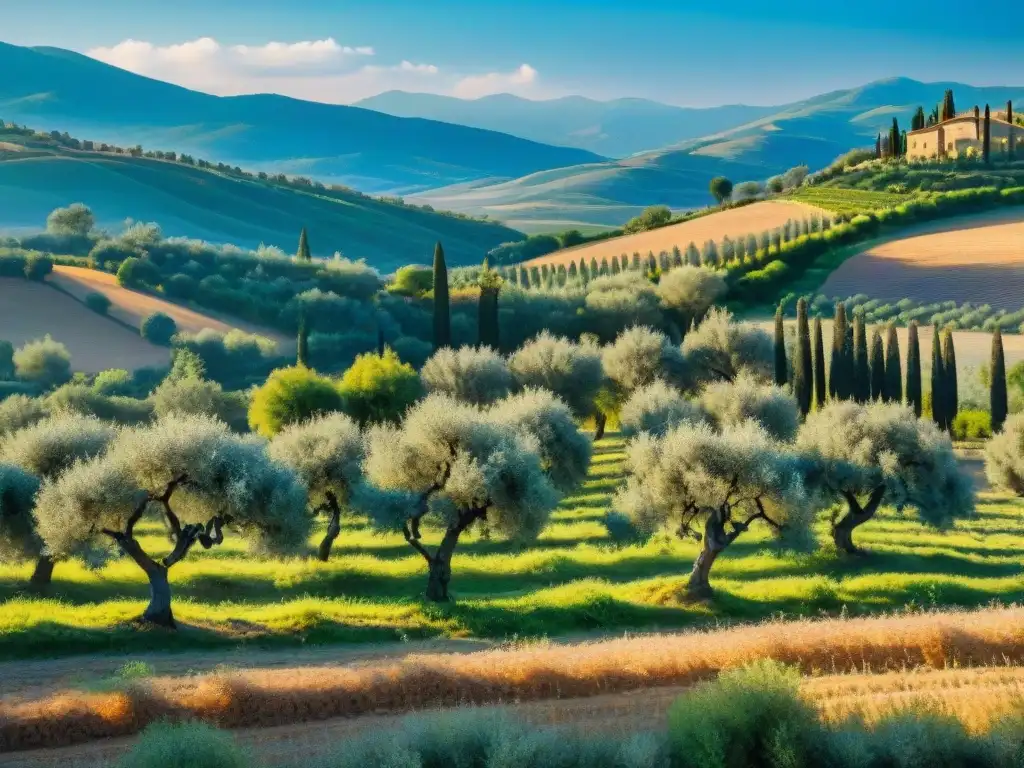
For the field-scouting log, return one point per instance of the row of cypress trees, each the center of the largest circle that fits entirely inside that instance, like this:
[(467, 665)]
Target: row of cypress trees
[(490, 288), (862, 373)]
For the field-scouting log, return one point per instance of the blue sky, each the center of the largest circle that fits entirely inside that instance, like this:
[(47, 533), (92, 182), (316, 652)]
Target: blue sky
[(678, 52)]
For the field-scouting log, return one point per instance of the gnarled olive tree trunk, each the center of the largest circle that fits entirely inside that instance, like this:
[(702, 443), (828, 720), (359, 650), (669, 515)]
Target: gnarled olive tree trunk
[(713, 543), (600, 423), (42, 574), (333, 527), (856, 515)]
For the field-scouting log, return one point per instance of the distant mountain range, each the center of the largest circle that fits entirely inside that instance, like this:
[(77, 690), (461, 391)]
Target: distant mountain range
[(812, 132), (57, 89), (612, 128)]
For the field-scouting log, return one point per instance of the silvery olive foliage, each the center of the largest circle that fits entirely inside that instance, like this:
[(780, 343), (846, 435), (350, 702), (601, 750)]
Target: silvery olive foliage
[(1004, 456), (620, 301), (639, 356), (190, 396), (19, 411), (719, 348), (883, 452), (18, 539), (54, 444), (572, 371), (564, 449), (690, 291), (476, 376), (326, 453), (657, 408), (733, 402)]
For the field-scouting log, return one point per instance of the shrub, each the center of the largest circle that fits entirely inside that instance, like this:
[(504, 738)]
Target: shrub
[(1004, 456), (185, 745), (97, 302), (137, 273), (19, 410), (413, 281), (291, 396), (76, 219), (689, 292), (37, 266), (44, 362), (972, 425), (653, 217), (158, 328), (115, 381), (379, 388), (181, 287), (82, 399)]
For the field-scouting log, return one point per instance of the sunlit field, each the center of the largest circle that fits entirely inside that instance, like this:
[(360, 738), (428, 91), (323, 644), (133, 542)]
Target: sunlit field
[(574, 580)]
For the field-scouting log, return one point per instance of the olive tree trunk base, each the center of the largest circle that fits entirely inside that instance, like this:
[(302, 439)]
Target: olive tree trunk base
[(600, 423), (158, 612), (42, 574)]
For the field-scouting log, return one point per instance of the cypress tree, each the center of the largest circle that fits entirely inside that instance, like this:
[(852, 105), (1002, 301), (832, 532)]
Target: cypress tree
[(938, 382), (1010, 147), (986, 142), (998, 401), (838, 385), (380, 340), (803, 383), (861, 367), (442, 310), (781, 364), (977, 122), (487, 307), (877, 366), (820, 387), (302, 347), (303, 254), (893, 368), (894, 138), (878, 146), (949, 369), (914, 395)]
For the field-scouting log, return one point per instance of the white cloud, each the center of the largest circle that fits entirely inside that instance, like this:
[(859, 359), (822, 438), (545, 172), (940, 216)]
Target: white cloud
[(318, 70), (520, 81)]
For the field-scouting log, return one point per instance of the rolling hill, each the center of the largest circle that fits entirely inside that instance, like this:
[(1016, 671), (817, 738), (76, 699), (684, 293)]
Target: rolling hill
[(38, 175), (57, 89), (612, 128), (812, 132)]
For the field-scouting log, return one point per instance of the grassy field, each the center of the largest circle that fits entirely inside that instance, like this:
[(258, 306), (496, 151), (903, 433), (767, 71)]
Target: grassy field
[(573, 580), (840, 200), (30, 310)]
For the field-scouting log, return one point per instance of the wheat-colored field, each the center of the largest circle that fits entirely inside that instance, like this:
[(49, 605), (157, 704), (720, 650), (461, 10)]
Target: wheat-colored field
[(29, 311), (977, 259), (732, 223), (132, 307)]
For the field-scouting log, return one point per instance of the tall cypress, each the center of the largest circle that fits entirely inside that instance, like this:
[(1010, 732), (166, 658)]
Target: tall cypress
[(894, 138), (820, 387), (878, 146), (303, 254), (302, 346), (781, 364), (949, 369), (487, 320), (442, 310), (893, 367), (803, 384), (914, 396), (938, 382), (977, 122), (1010, 146), (998, 401), (861, 367), (877, 366), (986, 142), (839, 384)]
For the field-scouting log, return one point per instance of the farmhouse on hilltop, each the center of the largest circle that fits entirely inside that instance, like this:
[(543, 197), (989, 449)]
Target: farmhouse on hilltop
[(953, 137)]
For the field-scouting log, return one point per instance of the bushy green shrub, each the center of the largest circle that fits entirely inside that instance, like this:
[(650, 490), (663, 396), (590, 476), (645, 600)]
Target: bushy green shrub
[(290, 396), (137, 273), (97, 302), (413, 280), (186, 745), (43, 362), (113, 382), (37, 266), (379, 388), (972, 425), (82, 399), (158, 328)]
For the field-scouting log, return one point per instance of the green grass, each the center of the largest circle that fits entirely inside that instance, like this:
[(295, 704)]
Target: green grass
[(839, 200), (573, 580)]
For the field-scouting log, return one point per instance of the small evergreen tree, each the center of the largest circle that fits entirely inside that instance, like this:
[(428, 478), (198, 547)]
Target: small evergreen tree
[(820, 386), (861, 365), (487, 321), (938, 382), (302, 351), (1010, 147), (893, 368), (949, 369), (998, 401), (781, 364), (877, 366), (304, 253), (442, 309), (840, 385), (915, 398), (986, 142), (803, 383)]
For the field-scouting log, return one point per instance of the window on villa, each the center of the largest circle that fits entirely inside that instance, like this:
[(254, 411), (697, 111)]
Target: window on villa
[(951, 146)]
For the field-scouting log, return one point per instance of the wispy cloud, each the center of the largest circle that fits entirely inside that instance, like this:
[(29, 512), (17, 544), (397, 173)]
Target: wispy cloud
[(319, 70)]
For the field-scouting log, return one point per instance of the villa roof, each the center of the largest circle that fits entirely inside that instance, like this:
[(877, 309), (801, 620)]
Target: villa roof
[(962, 117)]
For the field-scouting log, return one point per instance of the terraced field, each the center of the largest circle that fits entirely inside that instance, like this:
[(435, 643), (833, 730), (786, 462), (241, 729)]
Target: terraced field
[(840, 200)]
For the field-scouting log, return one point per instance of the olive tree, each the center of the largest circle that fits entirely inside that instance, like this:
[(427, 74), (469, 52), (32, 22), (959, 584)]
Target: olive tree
[(188, 396), (571, 371), (564, 450), (733, 402), (477, 376), (865, 454), (657, 408), (44, 362), (452, 465), (192, 472), (18, 539), (689, 292), (327, 454), (19, 411), (721, 481), (719, 348), (46, 449), (1004, 456)]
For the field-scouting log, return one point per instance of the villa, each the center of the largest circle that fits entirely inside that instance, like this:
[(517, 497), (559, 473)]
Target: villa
[(957, 135)]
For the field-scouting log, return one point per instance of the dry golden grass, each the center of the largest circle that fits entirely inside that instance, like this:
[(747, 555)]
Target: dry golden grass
[(30, 310), (977, 259), (132, 307), (263, 698), (732, 223)]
